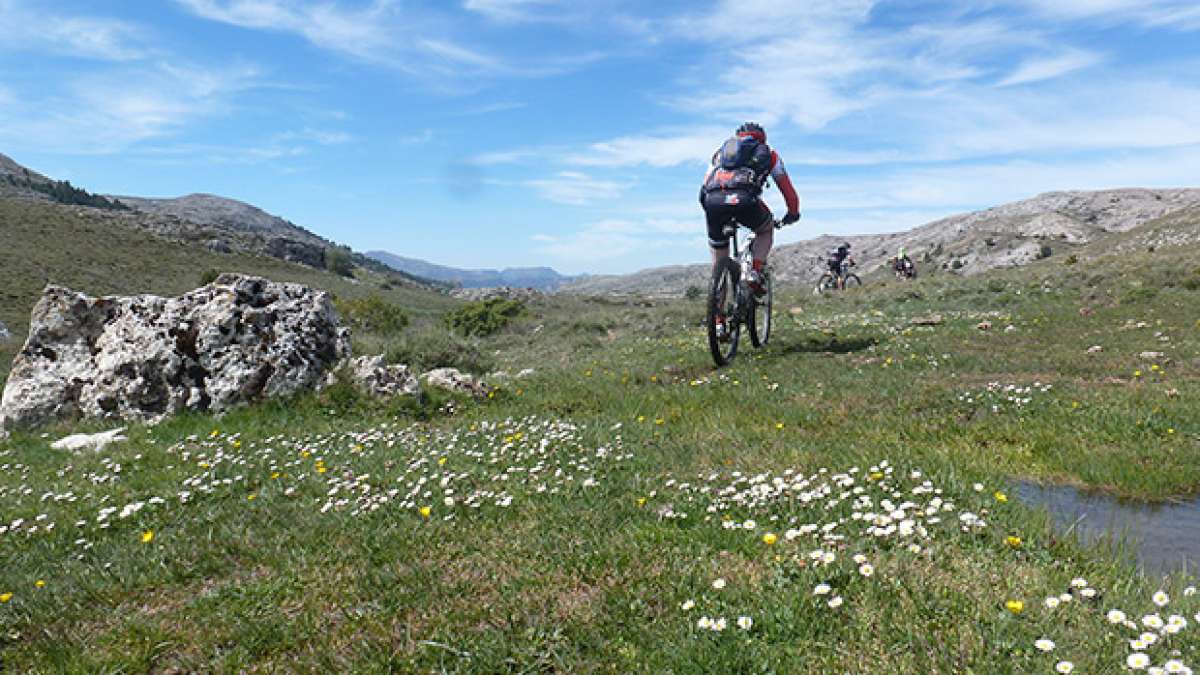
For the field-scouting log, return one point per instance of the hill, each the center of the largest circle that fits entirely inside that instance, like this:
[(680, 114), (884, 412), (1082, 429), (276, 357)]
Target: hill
[(205, 209), (1012, 235), (106, 252), (541, 278)]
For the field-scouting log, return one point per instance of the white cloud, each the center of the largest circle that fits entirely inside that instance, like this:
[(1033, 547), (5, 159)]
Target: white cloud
[(574, 188), (32, 27), (1047, 68), (110, 112), (1178, 15), (611, 239), (511, 10), (382, 32)]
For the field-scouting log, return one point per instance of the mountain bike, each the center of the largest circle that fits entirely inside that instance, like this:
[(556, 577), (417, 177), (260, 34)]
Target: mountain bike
[(733, 304), (844, 279)]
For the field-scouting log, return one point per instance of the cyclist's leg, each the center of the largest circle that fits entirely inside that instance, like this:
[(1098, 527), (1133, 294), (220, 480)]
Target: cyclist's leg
[(716, 215), (763, 224)]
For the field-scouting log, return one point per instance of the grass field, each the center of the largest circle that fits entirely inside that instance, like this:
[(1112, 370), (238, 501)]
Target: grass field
[(837, 502)]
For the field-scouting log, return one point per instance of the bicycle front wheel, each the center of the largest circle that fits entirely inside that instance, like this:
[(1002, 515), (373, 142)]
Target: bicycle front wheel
[(760, 313), (851, 280), (724, 324)]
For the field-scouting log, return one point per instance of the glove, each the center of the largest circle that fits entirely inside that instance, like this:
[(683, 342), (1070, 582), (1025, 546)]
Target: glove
[(790, 218)]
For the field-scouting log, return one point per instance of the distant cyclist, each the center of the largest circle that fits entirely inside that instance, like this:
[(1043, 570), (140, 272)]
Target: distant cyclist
[(732, 189), (903, 265), (838, 260)]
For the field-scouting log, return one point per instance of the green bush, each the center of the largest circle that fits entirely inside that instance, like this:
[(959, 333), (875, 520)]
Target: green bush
[(339, 261), (1071, 259), (483, 317), (693, 292), (372, 314), (208, 276), (428, 350)]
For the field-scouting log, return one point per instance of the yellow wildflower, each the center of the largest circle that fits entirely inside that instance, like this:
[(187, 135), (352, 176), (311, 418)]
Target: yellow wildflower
[(425, 511), (1013, 541), (1001, 497), (40, 583), (147, 536), (5, 597), (769, 538), (1015, 606)]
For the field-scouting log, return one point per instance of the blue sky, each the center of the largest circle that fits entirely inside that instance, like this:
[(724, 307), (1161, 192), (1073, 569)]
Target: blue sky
[(489, 133)]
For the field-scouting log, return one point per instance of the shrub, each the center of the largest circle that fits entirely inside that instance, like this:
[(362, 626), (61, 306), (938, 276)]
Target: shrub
[(483, 317), (339, 261), (208, 276), (1071, 259), (428, 350), (693, 293), (372, 314)]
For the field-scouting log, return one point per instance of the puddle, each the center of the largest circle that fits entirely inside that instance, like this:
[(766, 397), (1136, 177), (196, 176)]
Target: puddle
[(1165, 537)]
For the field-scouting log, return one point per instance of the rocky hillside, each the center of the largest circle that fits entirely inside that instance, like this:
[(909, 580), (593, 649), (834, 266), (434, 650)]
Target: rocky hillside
[(541, 278), (204, 209), (1011, 235), (219, 224)]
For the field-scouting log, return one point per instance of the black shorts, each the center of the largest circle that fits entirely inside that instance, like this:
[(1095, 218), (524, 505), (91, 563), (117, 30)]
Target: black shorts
[(722, 207)]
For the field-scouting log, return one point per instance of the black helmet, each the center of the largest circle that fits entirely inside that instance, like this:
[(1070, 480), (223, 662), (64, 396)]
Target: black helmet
[(846, 245), (753, 129)]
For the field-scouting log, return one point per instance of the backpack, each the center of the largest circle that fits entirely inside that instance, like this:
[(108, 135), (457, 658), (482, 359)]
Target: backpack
[(742, 163)]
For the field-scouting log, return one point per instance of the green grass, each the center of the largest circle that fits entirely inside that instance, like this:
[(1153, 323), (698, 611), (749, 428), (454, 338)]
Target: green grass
[(582, 576)]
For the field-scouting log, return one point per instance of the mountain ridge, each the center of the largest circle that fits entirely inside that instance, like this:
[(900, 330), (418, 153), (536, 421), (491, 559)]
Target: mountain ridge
[(1008, 235), (541, 278)]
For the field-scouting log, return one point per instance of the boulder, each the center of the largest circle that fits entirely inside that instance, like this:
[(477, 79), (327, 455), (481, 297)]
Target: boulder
[(376, 378), (95, 442), (931, 320), (4, 332), (456, 381), (142, 358)]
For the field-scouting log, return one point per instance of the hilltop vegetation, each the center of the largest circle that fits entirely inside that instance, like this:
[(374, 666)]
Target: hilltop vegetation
[(629, 509)]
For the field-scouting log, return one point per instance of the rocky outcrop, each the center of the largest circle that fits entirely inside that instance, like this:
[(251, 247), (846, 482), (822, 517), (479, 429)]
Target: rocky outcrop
[(374, 377), (456, 381), (142, 358), (4, 333), (505, 292)]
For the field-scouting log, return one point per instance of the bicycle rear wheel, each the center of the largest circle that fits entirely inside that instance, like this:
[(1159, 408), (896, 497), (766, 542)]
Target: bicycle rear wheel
[(760, 313), (723, 308), (825, 283)]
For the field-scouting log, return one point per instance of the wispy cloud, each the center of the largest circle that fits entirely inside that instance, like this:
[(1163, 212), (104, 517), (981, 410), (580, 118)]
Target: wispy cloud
[(110, 112), (512, 10), (1048, 68), (1177, 15), (574, 188), (32, 26)]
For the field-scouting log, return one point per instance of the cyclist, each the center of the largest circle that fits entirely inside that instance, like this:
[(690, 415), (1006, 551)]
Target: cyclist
[(904, 265), (836, 259), (732, 190)]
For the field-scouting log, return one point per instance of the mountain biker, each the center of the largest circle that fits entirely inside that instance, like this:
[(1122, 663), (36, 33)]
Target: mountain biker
[(837, 257), (903, 264), (732, 189)]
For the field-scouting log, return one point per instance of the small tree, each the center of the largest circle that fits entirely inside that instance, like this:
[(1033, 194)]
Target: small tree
[(338, 261), (208, 276), (693, 292)]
